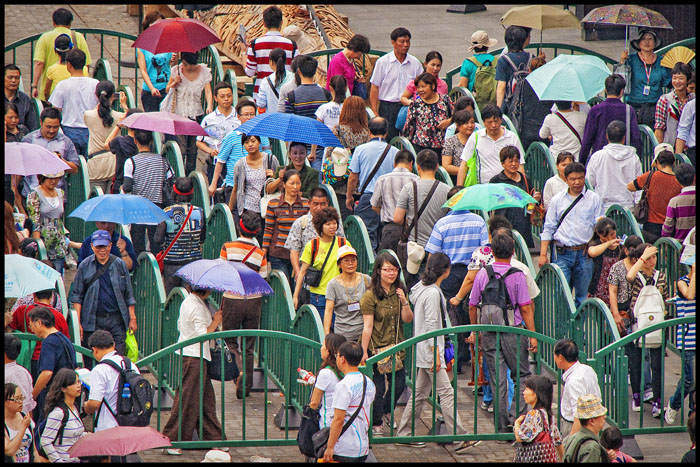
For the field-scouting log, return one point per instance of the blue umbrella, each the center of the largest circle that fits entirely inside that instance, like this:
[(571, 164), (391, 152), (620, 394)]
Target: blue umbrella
[(225, 276), (120, 209), (24, 276), (569, 78), (289, 127)]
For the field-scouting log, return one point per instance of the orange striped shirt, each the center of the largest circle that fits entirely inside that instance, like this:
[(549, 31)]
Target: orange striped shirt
[(239, 249), (279, 218)]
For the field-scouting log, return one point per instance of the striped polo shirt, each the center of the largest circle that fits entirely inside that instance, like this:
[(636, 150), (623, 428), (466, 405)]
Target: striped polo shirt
[(458, 235), (685, 334), (279, 218), (148, 171), (240, 249), (680, 214), (258, 58), (306, 99)]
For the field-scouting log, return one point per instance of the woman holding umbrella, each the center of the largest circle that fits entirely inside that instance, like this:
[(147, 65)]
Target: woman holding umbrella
[(194, 320), (45, 209), (648, 77), (154, 69), (188, 80)]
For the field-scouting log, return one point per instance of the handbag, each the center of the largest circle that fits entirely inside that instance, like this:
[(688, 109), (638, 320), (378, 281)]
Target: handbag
[(472, 177), (312, 278), (359, 89), (537, 214), (402, 247), (541, 449), (307, 428), (320, 438), (384, 365), (168, 103), (219, 352), (265, 197), (160, 256), (641, 209), (101, 165)]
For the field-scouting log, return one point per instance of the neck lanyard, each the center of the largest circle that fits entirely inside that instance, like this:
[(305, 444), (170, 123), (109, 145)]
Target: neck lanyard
[(647, 71)]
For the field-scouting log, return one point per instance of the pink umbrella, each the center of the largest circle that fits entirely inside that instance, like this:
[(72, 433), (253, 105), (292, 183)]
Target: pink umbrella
[(164, 122), (176, 35), (119, 441), (31, 159)]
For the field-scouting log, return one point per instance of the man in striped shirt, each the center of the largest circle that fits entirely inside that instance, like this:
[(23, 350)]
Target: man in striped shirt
[(245, 312), (258, 61), (680, 213), (388, 186)]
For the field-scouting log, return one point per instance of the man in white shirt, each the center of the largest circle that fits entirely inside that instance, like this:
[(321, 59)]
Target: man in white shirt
[(564, 128), (73, 96), (486, 145), (579, 379), (353, 445), (104, 380), (391, 74)]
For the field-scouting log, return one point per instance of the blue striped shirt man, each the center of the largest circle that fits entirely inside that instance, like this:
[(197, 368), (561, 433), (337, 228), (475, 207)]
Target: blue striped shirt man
[(458, 235)]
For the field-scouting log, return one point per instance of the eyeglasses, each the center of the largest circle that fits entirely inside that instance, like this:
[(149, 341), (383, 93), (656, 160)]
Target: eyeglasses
[(19, 400)]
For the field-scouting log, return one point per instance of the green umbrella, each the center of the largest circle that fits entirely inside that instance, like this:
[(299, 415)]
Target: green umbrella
[(569, 78), (489, 196)]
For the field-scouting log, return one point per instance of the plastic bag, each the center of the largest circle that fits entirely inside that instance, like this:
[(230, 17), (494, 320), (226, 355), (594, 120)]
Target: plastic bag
[(132, 347)]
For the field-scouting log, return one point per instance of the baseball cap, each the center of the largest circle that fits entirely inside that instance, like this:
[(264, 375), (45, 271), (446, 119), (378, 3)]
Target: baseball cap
[(416, 253), (340, 158), (346, 250), (662, 147), (101, 238)]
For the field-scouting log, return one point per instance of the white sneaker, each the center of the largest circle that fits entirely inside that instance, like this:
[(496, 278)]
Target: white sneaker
[(648, 395), (670, 414), (377, 431)]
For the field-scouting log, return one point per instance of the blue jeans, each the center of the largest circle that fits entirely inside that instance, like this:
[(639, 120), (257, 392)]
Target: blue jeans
[(319, 301), (488, 392), (283, 265), (59, 264), (687, 381), (577, 269), (79, 137), (364, 211)]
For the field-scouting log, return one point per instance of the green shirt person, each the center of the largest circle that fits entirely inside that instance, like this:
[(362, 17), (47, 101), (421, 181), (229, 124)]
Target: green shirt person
[(584, 444)]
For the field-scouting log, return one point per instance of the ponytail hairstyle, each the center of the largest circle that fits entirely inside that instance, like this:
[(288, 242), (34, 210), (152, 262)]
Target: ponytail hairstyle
[(279, 57), (438, 263), (332, 342), (630, 244), (104, 92), (602, 228), (340, 87)]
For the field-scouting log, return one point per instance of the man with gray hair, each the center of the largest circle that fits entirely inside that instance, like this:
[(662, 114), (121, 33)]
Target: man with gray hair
[(613, 167)]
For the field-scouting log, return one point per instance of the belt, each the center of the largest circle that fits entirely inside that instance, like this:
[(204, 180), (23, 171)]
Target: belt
[(574, 248)]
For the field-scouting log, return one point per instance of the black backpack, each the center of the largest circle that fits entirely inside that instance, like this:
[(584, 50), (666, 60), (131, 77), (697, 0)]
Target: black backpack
[(39, 429), (514, 90), (496, 305), (138, 411)]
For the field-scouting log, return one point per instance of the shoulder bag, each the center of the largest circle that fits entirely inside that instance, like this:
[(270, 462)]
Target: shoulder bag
[(538, 212), (566, 122), (402, 248), (312, 278), (320, 438), (357, 196), (101, 165), (472, 177), (100, 272), (563, 216), (384, 365), (308, 427), (272, 87), (541, 449), (221, 352), (160, 256), (641, 209), (359, 89)]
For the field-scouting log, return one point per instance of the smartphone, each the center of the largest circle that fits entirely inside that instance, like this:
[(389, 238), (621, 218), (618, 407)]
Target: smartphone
[(623, 238)]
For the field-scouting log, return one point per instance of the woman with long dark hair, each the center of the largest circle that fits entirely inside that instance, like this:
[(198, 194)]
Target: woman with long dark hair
[(384, 307), (100, 122), (430, 309), (327, 378), (269, 91), (329, 113), (605, 250), (64, 390), (538, 394)]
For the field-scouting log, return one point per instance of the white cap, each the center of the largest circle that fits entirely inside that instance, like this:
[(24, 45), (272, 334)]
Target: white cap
[(340, 158), (416, 253)]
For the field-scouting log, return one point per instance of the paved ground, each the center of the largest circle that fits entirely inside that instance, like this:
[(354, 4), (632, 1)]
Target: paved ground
[(432, 28)]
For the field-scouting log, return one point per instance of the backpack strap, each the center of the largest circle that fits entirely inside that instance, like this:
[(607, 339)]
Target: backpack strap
[(117, 367), (314, 249), (566, 122)]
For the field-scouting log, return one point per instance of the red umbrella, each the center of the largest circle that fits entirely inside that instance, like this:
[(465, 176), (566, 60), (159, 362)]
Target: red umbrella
[(119, 441), (164, 122), (176, 35)]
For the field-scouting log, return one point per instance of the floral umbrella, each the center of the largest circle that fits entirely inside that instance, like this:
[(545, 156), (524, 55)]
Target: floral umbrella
[(627, 15)]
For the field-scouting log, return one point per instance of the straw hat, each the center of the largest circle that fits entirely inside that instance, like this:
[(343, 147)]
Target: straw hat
[(302, 40), (56, 175), (481, 39), (589, 406), (416, 253)]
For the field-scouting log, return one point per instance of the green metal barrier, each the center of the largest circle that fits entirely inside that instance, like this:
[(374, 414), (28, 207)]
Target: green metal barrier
[(41, 247), (167, 368), (172, 153), (210, 57), (38, 108), (443, 176), (103, 70), (220, 229), (157, 146), (540, 166), (356, 234), (522, 253), (457, 92), (149, 294), (334, 199), (681, 159), (593, 326), (277, 309), (77, 191), (399, 142), (669, 262), (554, 308), (279, 150), (625, 221), (230, 78), (611, 365), (201, 192), (649, 142)]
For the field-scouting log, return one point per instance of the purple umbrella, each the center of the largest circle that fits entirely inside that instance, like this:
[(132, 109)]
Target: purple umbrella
[(118, 441), (164, 122), (31, 159), (225, 276)]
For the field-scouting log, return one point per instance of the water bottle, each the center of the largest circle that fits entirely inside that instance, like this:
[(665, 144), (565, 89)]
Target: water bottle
[(126, 399), (305, 377)]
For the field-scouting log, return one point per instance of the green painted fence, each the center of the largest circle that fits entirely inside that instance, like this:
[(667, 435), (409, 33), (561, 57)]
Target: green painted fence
[(77, 191), (356, 233), (149, 294), (201, 192), (457, 92), (220, 229), (334, 199), (649, 142), (172, 153), (593, 326), (540, 166), (522, 253), (625, 221), (400, 143)]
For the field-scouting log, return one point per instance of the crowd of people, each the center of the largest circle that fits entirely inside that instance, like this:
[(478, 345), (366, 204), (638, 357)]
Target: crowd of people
[(285, 220)]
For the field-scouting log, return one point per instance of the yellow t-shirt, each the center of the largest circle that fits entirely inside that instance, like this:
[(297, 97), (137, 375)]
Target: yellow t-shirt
[(44, 52), (58, 72), (331, 270)]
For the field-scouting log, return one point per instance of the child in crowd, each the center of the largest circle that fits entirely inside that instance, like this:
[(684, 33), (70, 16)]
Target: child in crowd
[(611, 440)]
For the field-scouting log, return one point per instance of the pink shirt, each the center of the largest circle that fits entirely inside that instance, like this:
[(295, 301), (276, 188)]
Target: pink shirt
[(441, 87), (339, 65), (515, 283)]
